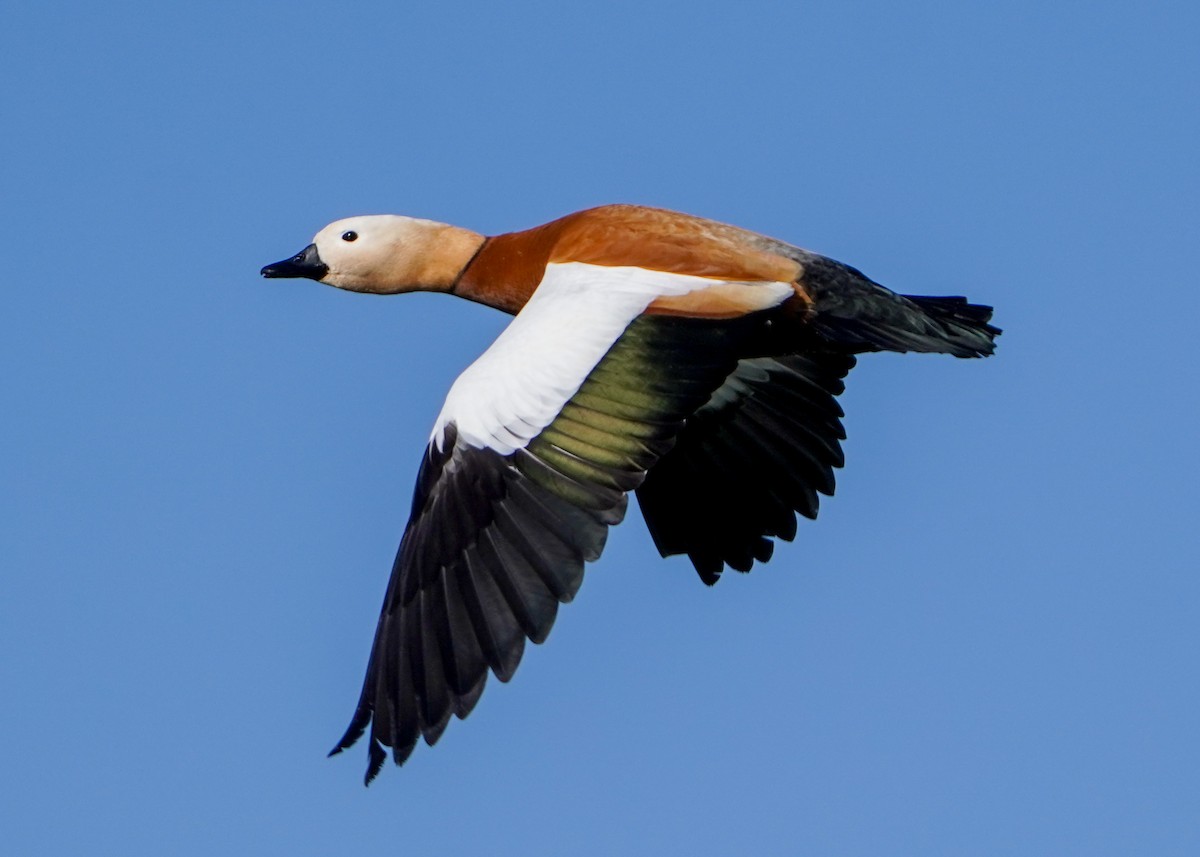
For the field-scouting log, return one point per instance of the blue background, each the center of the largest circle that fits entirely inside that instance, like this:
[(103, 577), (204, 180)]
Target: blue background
[(988, 644)]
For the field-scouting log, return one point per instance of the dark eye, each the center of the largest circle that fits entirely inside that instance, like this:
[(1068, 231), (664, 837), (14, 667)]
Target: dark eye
[(349, 236)]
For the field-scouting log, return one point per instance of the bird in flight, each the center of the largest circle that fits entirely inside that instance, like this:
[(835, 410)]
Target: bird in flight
[(693, 362)]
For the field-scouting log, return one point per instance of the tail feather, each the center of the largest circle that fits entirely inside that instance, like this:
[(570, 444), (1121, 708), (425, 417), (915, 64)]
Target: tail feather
[(964, 325), (858, 313)]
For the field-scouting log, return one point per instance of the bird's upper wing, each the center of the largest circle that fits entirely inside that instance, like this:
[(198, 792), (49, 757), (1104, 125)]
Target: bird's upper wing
[(529, 464)]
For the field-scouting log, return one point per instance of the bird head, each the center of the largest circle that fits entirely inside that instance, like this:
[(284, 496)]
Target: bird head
[(383, 254)]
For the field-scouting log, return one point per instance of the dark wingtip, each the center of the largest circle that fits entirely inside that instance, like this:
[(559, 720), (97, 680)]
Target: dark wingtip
[(376, 756), (353, 732), (708, 567)]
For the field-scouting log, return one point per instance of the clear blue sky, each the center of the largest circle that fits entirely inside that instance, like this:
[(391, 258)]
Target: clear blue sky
[(987, 645)]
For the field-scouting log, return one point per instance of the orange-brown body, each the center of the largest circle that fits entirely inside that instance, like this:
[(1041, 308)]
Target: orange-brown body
[(507, 268)]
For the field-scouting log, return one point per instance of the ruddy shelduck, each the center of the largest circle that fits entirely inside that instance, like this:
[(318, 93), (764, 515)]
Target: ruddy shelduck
[(695, 363)]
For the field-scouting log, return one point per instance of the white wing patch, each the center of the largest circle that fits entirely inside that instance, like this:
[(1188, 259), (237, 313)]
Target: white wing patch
[(520, 384)]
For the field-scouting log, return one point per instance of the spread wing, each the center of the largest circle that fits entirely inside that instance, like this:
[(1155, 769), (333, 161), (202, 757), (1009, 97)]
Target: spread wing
[(758, 452), (530, 463)]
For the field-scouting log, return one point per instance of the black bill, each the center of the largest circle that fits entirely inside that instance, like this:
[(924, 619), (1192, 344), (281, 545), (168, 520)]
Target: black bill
[(306, 263)]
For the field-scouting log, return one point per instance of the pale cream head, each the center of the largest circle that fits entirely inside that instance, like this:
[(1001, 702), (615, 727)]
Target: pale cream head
[(388, 253)]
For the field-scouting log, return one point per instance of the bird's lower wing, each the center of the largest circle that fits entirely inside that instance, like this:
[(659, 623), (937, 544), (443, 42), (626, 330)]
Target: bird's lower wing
[(506, 513)]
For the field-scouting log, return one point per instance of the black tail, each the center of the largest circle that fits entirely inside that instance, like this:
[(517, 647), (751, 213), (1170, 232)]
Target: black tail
[(854, 311), (965, 331)]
